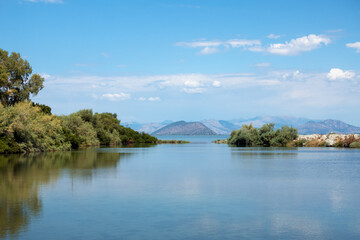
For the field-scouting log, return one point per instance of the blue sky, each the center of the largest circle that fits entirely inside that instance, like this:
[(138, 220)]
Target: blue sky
[(191, 60)]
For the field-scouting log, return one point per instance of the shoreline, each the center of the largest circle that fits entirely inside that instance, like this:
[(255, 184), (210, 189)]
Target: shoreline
[(319, 140)]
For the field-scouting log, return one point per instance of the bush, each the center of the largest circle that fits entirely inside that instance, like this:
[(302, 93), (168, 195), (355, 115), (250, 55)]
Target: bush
[(355, 145), (348, 140), (27, 128), (297, 143), (316, 143), (266, 136), (78, 132), (339, 144)]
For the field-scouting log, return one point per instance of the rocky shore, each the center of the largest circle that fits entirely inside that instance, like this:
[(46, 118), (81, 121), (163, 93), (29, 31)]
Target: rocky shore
[(331, 140)]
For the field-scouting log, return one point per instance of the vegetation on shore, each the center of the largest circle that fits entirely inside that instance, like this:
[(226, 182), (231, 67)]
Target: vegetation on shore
[(329, 140), (30, 127), (26, 128), (172, 141), (266, 136)]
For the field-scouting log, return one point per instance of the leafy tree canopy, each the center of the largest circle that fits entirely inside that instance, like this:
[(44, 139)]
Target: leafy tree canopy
[(17, 82)]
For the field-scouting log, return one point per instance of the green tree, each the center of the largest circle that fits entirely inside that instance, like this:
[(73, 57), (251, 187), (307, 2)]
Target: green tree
[(17, 82)]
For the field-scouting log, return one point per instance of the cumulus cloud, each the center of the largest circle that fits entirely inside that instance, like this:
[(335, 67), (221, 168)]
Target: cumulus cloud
[(192, 83), (210, 47), (273, 36), (355, 45), (298, 45), (293, 47), (337, 73), (116, 96)]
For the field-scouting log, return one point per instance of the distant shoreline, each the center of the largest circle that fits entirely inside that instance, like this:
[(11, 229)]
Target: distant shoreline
[(320, 140)]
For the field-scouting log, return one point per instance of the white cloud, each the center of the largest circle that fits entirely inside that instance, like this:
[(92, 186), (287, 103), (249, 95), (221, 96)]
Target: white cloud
[(355, 45), (192, 83), (116, 96), (242, 43), (263, 64), (45, 75), (298, 45), (45, 1), (153, 99), (276, 86), (337, 73), (194, 90), (217, 83), (294, 47), (208, 50), (273, 36), (210, 47)]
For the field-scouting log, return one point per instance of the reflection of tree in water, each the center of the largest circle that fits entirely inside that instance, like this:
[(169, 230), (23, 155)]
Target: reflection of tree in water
[(21, 176)]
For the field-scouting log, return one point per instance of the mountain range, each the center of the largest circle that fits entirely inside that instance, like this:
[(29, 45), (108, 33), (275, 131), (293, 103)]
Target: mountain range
[(185, 128), (225, 127)]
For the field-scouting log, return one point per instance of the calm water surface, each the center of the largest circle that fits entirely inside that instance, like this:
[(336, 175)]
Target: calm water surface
[(189, 191)]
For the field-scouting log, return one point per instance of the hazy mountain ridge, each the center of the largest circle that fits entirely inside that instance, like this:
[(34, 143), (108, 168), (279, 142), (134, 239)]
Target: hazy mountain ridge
[(327, 126), (184, 128), (223, 127)]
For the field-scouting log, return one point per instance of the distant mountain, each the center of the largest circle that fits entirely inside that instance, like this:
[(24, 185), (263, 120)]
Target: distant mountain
[(279, 121), (220, 126), (132, 125), (327, 126), (150, 127), (304, 125), (147, 127), (184, 128)]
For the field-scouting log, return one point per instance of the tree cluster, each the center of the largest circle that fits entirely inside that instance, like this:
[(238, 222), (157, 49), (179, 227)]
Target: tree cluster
[(30, 127), (266, 136), (26, 127)]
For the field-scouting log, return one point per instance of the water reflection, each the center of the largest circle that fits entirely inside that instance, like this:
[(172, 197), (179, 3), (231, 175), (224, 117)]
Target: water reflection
[(22, 175)]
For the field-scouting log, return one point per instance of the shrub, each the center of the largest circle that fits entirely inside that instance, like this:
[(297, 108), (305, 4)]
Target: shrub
[(265, 136), (339, 144), (355, 145), (316, 143), (348, 140), (27, 128), (297, 143)]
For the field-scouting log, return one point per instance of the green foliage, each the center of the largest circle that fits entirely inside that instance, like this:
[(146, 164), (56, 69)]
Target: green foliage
[(266, 136), (44, 108), (78, 132), (30, 127), (355, 145), (297, 143), (339, 144), (24, 128), (16, 79)]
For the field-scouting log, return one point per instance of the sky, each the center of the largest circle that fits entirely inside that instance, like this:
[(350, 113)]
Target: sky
[(150, 61)]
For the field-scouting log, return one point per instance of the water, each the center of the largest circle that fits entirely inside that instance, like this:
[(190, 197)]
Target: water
[(185, 191)]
